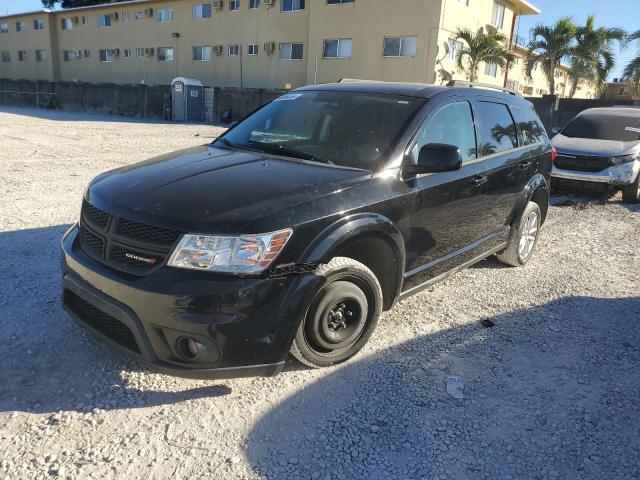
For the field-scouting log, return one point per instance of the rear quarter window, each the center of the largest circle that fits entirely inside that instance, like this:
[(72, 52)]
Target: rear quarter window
[(530, 129), (497, 132)]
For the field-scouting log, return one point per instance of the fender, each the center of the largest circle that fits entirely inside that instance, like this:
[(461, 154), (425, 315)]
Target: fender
[(336, 235), (537, 182)]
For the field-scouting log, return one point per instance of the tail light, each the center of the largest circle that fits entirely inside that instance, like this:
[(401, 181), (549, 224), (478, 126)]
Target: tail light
[(554, 154)]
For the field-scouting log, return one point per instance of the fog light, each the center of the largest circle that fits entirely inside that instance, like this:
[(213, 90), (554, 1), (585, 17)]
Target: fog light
[(190, 349)]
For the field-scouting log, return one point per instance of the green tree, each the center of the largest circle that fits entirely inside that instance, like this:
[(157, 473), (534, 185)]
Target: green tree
[(632, 70), (76, 3), (488, 47), (549, 45), (593, 54)]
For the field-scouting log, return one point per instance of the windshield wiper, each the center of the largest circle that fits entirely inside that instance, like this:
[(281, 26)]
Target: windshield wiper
[(280, 149)]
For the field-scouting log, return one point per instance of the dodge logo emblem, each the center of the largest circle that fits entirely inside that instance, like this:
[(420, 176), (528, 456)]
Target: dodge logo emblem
[(150, 261)]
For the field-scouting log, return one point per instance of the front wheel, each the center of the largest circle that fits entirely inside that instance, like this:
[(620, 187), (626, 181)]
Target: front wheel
[(523, 240), (342, 315), (631, 193)]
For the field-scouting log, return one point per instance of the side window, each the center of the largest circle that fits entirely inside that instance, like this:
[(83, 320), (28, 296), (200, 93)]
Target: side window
[(452, 125), (497, 131), (530, 129)]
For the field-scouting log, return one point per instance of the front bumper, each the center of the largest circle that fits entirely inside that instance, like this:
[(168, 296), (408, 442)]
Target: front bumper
[(246, 324), (618, 175)]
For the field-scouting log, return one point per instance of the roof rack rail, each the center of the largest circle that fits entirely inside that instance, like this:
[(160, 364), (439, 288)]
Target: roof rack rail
[(466, 83), (357, 80)]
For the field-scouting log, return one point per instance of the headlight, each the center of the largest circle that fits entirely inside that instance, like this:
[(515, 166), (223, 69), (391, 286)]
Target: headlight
[(218, 253), (624, 159)]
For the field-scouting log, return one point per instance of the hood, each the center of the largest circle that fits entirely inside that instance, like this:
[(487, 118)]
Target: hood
[(593, 147), (212, 190)]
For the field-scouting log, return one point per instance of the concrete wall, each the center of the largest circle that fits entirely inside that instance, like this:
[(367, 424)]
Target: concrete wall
[(555, 112)]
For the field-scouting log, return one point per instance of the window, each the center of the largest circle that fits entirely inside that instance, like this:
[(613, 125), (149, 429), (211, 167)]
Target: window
[(491, 69), (497, 131), (451, 125), (85, 20), (291, 5), (41, 55), (234, 5), (66, 24), (455, 47), (87, 53), (202, 54), (38, 24), (352, 130), (234, 50), (104, 21), (291, 51), (164, 14), (498, 15), (165, 54), (254, 4), (20, 27), (22, 55), (340, 48), (139, 14), (106, 56), (127, 53), (604, 126), (139, 52), (400, 46), (530, 130), (125, 16), (464, 2), (202, 10), (253, 49), (6, 57), (67, 55), (337, 2), (622, 92), (4, 27)]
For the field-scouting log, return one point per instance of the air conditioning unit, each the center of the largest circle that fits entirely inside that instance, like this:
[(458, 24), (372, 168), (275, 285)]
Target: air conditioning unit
[(217, 4), (114, 16), (75, 20), (269, 48), (218, 49), (115, 52), (148, 12), (149, 52), (269, 3)]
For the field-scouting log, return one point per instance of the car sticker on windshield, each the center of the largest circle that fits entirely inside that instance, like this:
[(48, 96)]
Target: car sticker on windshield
[(633, 129), (288, 96)]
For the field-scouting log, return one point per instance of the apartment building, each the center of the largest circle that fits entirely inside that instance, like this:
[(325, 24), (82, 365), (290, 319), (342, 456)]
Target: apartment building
[(255, 43)]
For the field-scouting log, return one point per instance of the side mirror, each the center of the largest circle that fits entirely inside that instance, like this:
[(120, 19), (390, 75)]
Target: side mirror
[(436, 157), (555, 131)]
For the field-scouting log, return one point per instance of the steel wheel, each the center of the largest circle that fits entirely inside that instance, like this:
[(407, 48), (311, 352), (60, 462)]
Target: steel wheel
[(528, 235)]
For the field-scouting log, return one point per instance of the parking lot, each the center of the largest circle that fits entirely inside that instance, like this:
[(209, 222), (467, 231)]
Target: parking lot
[(550, 390)]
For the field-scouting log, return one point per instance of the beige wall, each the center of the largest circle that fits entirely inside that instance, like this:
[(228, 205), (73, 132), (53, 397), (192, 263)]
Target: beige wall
[(365, 22)]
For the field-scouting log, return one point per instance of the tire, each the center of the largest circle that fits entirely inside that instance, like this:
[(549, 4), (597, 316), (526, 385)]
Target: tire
[(524, 239), (631, 192), (342, 315)]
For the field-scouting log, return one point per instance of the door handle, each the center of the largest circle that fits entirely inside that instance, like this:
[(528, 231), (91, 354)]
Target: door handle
[(479, 180), (524, 165)]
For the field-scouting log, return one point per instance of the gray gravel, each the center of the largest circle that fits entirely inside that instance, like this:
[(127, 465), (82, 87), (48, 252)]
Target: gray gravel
[(550, 391)]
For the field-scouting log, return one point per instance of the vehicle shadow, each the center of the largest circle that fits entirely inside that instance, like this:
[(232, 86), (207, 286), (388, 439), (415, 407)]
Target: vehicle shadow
[(49, 363), (550, 392)]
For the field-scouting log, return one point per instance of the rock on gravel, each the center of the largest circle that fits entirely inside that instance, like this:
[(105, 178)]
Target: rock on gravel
[(550, 391)]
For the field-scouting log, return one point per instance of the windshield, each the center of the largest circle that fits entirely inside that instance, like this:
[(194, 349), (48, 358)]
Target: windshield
[(622, 128), (343, 128)]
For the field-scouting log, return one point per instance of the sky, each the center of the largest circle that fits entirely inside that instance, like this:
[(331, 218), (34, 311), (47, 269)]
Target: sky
[(610, 13)]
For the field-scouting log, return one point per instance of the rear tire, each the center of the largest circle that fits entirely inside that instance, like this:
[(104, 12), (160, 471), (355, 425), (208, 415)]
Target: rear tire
[(524, 238), (631, 193), (342, 315)]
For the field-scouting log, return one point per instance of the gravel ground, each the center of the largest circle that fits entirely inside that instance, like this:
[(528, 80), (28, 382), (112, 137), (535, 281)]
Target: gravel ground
[(550, 390)]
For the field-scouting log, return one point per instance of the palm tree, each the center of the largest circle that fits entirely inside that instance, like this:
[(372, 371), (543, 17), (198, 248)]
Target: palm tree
[(593, 55), (548, 47), (632, 70), (488, 47)]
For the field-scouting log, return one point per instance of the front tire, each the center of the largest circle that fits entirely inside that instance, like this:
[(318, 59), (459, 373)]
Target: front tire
[(523, 240), (342, 315), (631, 192)]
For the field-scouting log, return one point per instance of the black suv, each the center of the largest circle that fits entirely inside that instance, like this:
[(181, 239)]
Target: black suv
[(294, 230)]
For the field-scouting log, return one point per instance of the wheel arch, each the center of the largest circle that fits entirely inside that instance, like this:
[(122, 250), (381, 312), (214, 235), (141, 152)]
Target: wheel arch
[(369, 238), (537, 190)]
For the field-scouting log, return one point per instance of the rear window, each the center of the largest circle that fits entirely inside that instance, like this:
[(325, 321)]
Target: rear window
[(530, 129), (497, 131), (605, 127)]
